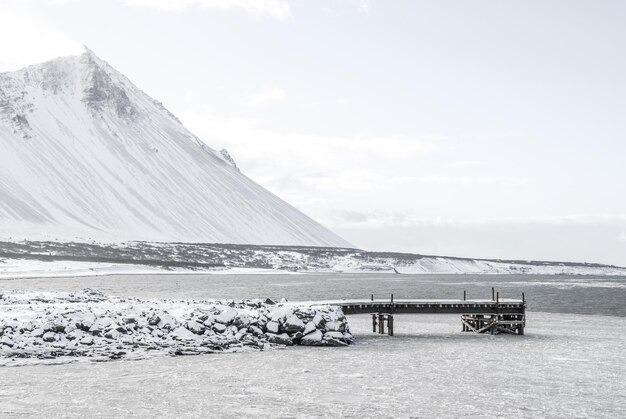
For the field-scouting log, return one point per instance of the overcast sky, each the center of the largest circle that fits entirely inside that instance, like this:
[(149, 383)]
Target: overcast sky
[(467, 128)]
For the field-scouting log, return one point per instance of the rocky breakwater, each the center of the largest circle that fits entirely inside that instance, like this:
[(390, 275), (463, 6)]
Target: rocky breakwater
[(57, 327)]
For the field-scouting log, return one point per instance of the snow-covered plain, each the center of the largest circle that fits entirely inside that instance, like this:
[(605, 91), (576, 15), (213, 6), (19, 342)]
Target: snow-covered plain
[(566, 366), (290, 262)]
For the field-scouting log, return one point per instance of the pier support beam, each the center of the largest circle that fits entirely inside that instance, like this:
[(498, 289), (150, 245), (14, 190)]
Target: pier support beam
[(378, 323), (494, 323)]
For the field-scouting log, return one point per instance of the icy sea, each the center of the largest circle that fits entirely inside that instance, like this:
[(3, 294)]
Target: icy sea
[(570, 363)]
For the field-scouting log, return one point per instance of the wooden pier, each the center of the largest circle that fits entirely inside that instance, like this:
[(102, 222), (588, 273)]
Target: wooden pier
[(496, 315)]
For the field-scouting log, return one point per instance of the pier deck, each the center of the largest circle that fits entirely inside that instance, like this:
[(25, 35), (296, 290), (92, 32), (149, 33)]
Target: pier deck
[(496, 315)]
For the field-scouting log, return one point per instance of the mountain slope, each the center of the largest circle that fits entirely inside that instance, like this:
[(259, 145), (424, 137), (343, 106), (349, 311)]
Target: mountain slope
[(85, 154)]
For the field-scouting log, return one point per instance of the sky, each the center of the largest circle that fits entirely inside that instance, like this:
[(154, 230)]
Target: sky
[(493, 129)]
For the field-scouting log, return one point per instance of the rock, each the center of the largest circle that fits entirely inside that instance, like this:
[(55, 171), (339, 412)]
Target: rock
[(168, 322), (195, 327), (209, 321), (270, 302), (256, 331), (312, 339), (242, 320), (154, 320), (71, 328), (37, 333), (87, 340), (112, 334), (318, 321), (335, 326), (273, 327), (53, 327), (84, 325), (181, 333), (334, 335), (219, 327), (96, 329), (309, 328), (75, 334), (334, 342), (280, 313), (282, 339), (296, 337), (293, 324), (7, 341), (226, 317)]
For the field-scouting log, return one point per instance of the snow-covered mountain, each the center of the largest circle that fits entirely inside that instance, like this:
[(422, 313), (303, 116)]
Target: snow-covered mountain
[(86, 154)]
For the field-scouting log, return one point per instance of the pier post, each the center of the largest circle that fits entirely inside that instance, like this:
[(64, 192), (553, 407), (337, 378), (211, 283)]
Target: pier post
[(374, 323), (390, 324), (464, 295), (493, 291)]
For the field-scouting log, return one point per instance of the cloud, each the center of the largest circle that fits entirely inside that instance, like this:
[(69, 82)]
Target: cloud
[(266, 97), (26, 39), (273, 9), (303, 168), (622, 237), (465, 164), (463, 180), (407, 219), (364, 6)]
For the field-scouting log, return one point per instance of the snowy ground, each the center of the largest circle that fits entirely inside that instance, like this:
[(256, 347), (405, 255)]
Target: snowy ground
[(29, 268), (53, 259), (566, 366)]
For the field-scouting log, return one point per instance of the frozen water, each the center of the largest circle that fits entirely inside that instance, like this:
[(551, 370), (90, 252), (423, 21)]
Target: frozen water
[(564, 294), (567, 365)]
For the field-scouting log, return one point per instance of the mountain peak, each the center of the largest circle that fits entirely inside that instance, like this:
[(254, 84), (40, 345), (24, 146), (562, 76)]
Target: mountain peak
[(105, 87), (85, 153)]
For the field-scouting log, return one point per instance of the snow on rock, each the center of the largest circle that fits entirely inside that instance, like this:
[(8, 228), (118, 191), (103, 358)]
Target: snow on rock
[(313, 339), (294, 324), (91, 325)]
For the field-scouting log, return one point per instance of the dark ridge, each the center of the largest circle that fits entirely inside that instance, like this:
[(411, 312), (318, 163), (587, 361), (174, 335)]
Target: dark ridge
[(214, 255)]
